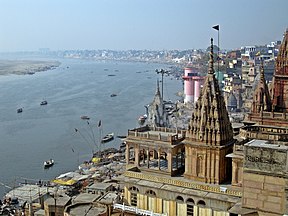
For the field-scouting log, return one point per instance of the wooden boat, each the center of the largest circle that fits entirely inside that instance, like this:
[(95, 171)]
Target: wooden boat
[(113, 95), (48, 163), (85, 117), (107, 138), (19, 110), (43, 102)]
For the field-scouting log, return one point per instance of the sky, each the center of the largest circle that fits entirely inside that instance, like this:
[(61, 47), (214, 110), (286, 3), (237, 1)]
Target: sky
[(27, 25)]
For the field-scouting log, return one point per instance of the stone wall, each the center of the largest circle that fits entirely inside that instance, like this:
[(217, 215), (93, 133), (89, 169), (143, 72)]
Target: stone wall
[(265, 177)]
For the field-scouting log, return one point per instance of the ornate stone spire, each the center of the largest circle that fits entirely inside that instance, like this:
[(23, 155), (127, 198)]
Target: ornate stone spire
[(210, 122), (261, 98), (211, 60), (280, 78)]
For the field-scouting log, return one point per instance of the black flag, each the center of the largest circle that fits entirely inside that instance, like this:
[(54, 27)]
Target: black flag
[(216, 27)]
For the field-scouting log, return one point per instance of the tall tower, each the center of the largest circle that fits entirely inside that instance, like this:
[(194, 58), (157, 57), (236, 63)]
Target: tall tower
[(209, 137), (280, 78), (192, 85), (271, 108)]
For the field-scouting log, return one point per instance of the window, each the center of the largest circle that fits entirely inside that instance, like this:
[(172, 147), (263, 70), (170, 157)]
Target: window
[(133, 196), (190, 207), (133, 199)]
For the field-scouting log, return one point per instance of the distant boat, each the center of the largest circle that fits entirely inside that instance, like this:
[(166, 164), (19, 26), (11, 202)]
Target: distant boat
[(85, 117), (113, 95), (19, 110), (48, 163), (107, 138), (44, 102), (105, 69)]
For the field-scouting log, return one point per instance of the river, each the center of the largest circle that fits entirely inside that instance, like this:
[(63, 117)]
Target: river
[(77, 87)]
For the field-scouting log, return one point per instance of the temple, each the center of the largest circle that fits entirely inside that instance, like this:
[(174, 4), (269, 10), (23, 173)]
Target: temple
[(205, 169)]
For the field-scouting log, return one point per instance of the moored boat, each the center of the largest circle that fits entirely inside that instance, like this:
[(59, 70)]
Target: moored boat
[(48, 163), (107, 138)]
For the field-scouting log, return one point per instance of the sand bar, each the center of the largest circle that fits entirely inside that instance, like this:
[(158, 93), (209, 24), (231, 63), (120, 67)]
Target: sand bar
[(23, 67)]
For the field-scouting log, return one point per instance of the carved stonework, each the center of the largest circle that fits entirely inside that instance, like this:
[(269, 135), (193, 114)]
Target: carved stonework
[(210, 122), (261, 98), (280, 78), (264, 112), (266, 158), (210, 137)]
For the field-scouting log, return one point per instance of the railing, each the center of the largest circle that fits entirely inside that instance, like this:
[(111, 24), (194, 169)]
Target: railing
[(187, 184), (136, 210), (144, 132)]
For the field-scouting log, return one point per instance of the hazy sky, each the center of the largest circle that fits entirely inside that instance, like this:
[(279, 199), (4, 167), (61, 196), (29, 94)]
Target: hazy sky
[(139, 24)]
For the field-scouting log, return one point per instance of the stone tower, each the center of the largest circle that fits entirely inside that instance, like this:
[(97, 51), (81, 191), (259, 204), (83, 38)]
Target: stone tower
[(157, 115), (210, 136), (280, 78), (261, 98), (271, 108)]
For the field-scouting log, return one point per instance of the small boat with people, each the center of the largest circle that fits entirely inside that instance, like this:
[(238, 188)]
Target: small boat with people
[(48, 163), (107, 138), (19, 110), (44, 102)]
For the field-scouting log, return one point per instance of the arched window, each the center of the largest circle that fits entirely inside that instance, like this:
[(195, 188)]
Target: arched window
[(151, 193), (151, 196), (179, 199), (133, 195), (201, 203), (190, 207)]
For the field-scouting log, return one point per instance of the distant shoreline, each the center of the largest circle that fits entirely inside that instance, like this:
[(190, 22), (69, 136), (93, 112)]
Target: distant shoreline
[(26, 67)]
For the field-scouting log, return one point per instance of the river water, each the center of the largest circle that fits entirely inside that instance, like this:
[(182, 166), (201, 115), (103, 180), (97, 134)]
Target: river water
[(77, 87)]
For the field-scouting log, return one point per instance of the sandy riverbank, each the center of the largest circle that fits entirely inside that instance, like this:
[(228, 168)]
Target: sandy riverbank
[(22, 67)]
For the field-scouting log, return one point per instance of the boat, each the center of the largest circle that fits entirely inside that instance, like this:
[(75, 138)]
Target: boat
[(85, 117), (48, 163), (44, 102), (107, 138), (19, 110), (113, 95)]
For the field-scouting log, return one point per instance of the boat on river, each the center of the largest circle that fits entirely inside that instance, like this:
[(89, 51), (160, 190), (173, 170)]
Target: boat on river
[(107, 138), (19, 110), (48, 163), (85, 117), (43, 102)]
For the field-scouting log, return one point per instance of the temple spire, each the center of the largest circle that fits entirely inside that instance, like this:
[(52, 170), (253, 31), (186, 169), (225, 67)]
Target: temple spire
[(210, 122), (211, 60), (262, 78)]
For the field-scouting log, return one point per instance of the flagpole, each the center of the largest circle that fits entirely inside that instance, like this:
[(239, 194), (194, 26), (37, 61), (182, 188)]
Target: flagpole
[(217, 27), (218, 58)]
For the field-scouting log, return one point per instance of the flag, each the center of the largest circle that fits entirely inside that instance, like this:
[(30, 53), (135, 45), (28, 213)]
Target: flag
[(216, 27), (99, 123)]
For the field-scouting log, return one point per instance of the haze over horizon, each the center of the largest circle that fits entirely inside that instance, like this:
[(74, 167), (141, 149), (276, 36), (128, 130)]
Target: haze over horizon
[(134, 24)]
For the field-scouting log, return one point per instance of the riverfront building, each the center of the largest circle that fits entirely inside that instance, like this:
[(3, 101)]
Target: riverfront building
[(205, 170), (192, 85)]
